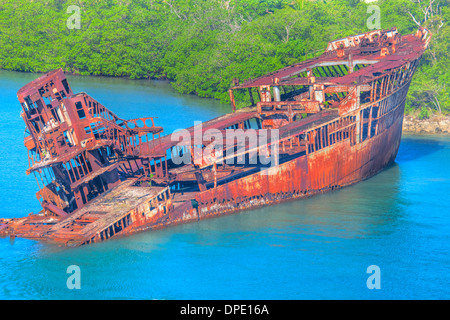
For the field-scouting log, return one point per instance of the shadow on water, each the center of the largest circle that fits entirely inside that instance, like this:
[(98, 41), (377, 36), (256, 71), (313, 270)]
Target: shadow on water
[(413, 147)]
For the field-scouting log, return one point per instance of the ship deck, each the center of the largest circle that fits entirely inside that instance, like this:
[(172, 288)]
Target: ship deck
[(160, 145), (101, 213)]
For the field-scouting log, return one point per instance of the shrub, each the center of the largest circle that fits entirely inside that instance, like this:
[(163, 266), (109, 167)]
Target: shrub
[(425, 113)]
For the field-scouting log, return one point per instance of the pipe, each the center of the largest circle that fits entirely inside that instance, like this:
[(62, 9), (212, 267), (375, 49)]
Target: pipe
[(276, 93)]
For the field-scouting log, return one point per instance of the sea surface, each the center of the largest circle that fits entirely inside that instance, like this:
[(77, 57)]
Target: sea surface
[(317, 248)]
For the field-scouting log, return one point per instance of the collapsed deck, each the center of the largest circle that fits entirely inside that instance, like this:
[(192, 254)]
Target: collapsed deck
[(311, 127)]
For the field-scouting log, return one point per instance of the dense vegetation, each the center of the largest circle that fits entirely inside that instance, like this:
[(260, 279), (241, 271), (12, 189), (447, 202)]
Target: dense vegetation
[(201, 45)]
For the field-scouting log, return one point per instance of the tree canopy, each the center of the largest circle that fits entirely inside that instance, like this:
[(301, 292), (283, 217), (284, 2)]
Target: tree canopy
[(201, 45)]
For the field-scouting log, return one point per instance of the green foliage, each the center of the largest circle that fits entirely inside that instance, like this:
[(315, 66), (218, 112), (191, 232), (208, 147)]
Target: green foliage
[(429, 87), (201, 45), (425, 113)]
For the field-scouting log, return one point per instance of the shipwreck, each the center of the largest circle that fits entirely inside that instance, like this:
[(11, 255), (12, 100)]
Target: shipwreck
[(337, 117)]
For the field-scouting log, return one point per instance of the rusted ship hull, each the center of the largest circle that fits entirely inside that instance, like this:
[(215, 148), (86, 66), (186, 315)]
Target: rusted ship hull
[(337, 121), (338, 166)]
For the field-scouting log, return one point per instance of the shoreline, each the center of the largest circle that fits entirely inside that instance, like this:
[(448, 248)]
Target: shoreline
[(436, 124), (77, 74)]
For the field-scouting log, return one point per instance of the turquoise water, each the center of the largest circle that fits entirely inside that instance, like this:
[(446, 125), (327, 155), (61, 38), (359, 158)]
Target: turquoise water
[(317, 248)]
